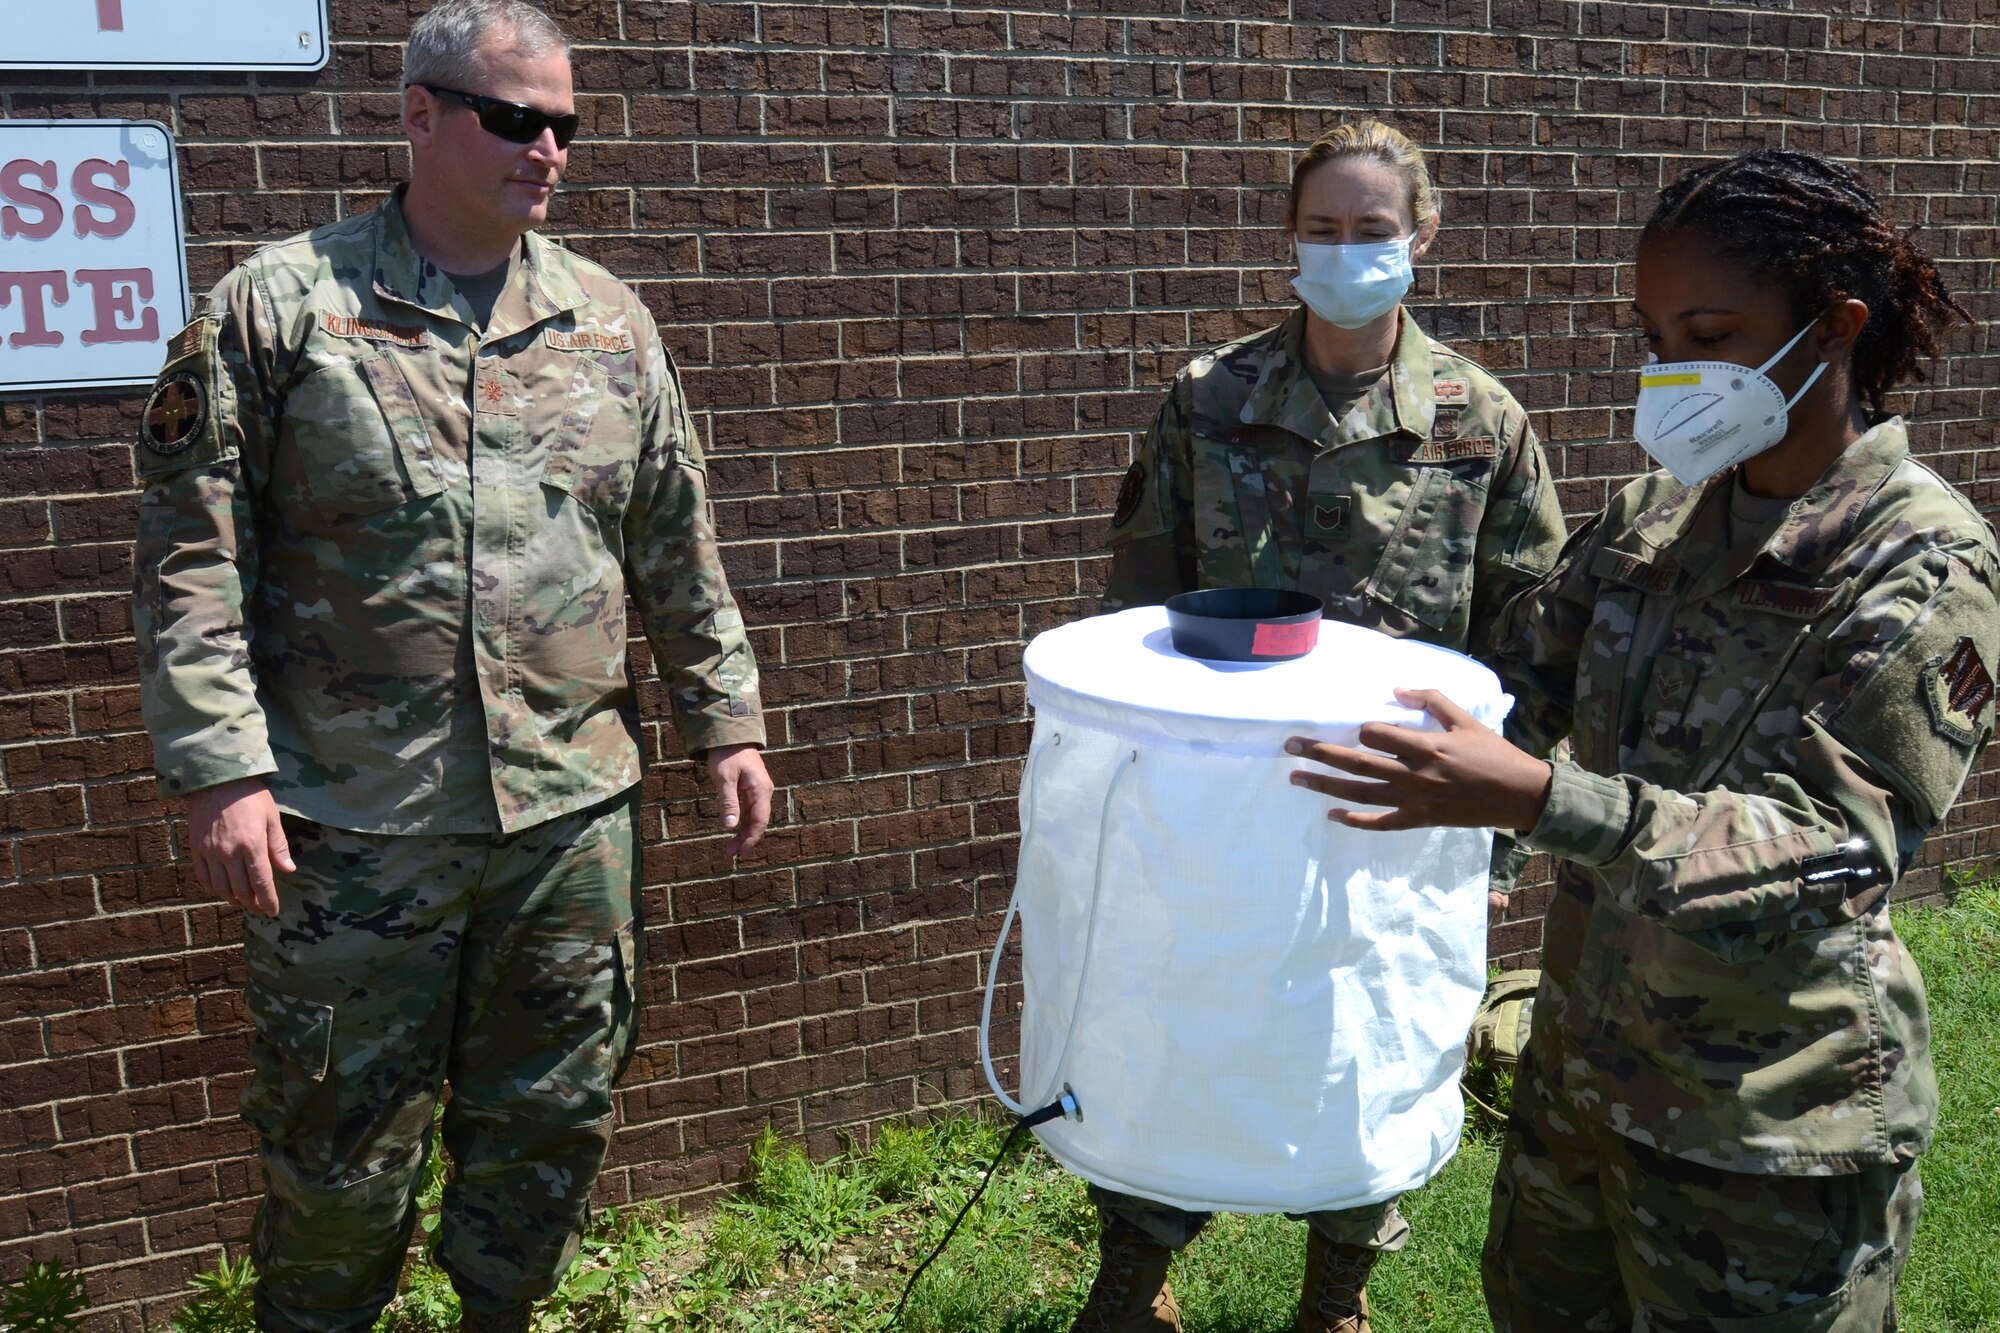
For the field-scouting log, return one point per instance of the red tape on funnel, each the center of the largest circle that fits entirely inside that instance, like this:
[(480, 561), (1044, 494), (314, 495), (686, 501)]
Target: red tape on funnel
[(1284, 640)]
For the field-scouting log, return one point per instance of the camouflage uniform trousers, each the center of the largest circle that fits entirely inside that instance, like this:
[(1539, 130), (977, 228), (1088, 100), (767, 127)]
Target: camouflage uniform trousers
[(1594, 1232), (505, 964), (1373, 1226)]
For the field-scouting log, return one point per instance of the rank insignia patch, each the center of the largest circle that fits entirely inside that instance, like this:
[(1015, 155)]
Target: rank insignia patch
[(1332, 517), (175, 413), (494, 395), (1958, 687), (1130, 492)]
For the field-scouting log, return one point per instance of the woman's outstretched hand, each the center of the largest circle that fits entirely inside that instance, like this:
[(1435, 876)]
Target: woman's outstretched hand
[(1467, 776)]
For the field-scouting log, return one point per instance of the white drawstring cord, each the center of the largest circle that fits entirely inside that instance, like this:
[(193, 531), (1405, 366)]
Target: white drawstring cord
[(1007, 928)]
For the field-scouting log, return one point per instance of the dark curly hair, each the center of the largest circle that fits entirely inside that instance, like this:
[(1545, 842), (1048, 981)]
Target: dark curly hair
[(1810, 227)]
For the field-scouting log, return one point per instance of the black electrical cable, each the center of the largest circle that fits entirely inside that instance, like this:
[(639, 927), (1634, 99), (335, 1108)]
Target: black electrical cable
[(1061, 1106)]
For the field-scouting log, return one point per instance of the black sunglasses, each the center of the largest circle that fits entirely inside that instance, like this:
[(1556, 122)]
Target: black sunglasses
[(510, 120)]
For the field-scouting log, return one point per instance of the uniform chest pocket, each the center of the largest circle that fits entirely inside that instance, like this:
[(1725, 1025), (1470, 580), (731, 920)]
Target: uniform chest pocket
[(1249, 482), (1426, 565), (1719, 704), (592, 453), (361, 437), (1673, 726)]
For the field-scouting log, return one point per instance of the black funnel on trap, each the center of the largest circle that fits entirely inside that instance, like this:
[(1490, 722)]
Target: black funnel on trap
[(1244, 624)]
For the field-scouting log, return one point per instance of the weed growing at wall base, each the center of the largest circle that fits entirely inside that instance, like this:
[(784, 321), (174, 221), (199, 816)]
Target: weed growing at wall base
[(47, 1299)]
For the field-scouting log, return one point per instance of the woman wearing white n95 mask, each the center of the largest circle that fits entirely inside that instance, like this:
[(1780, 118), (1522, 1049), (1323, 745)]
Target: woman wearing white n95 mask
[(1774, 661), (1344, 454)]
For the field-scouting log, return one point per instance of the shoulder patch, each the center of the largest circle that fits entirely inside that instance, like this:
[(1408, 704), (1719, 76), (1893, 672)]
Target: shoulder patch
[(350, 326), (1958, 687), (176, 413), (178, 427), (587, 340), (1452, 390), (1130, 492)]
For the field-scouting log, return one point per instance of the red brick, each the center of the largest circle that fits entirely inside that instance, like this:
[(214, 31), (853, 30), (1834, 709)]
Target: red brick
[(927, 271)]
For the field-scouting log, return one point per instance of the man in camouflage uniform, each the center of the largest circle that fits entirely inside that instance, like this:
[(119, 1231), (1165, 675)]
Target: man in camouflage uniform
[(398, 479), (1730, 1057), (1415, 505)]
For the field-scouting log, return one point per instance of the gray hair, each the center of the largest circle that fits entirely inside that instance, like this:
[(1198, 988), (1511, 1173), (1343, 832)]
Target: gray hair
[(444, 44)]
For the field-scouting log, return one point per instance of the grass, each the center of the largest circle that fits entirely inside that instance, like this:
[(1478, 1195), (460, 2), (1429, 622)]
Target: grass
[(1953, 1281), (826, 1247)]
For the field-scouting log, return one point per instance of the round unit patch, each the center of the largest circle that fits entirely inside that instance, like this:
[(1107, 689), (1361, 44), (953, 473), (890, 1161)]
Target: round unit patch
[(1130, 492), (175, 413)]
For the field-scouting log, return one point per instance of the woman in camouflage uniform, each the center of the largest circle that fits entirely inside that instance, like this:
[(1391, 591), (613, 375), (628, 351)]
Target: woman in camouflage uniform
[(1346, 454), (1776, 677)]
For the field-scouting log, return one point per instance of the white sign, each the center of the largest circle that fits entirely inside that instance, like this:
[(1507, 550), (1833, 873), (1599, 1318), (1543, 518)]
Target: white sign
[(93, 261), (164, 34)]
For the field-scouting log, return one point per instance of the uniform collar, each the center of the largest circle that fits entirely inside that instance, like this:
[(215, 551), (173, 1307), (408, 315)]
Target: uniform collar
[(1285, 395), (1812, 531), (544, 289), (1821, 521), (543, 286), (1414, 375)]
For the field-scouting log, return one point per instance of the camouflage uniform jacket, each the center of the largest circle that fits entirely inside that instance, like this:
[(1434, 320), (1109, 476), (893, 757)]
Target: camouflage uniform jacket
[(1720, 980), (1418, 514), (382, 557)]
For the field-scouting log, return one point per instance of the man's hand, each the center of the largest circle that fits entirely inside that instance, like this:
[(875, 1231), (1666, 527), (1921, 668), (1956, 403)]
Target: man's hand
[(739, 777), (1467, 776), (237, 839)]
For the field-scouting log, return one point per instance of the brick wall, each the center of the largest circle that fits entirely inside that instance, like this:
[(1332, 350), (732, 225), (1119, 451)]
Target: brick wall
[(926, 269)]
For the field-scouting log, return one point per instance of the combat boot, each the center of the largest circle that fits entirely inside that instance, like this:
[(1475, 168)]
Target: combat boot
[(1131, 1294), (513, 1319), (1335, 1296)]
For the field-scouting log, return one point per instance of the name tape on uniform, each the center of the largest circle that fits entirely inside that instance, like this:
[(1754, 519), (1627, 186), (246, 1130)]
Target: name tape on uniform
[(352, 326)]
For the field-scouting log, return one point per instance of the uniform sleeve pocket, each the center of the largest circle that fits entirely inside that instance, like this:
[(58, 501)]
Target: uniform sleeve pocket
[(361, 437), (1426, 566), (149, 602), (291, 1048)]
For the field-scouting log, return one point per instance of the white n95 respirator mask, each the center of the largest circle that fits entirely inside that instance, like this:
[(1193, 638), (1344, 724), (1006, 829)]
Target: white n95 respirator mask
[(1353, 285), (1698, 417)]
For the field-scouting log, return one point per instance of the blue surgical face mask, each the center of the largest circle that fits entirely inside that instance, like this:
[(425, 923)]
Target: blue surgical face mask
[(1353, 285)]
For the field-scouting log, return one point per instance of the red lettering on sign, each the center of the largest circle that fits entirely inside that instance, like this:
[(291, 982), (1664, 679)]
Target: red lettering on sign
[(110, 16), (115, 296), (1284, 640), (14, 189), (83, 185), (34, 290)]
